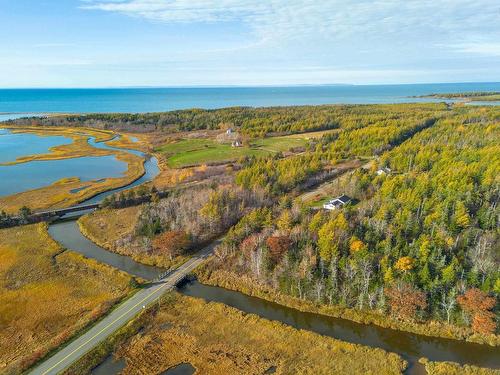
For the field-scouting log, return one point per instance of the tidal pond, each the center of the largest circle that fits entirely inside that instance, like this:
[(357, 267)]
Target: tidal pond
[(14, 145), (31, 175)]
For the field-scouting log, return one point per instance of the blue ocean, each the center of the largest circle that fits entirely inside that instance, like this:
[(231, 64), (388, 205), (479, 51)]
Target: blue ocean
[(35, 101)]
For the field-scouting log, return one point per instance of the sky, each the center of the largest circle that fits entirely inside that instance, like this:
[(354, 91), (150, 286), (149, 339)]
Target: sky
[(117, 43)]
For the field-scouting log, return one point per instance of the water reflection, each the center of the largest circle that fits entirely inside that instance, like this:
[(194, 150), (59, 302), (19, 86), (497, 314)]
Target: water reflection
[(68, 234), (410, 346), (182, 369)]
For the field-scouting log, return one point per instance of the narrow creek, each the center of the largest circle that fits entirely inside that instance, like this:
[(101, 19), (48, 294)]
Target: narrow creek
[(151, 169), (68, 234), (409, 346)]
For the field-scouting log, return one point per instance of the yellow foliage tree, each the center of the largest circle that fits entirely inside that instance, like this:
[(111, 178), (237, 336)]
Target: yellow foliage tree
[(356, 245), (461, 215), (405, 264), (285, 220), (327, 243)]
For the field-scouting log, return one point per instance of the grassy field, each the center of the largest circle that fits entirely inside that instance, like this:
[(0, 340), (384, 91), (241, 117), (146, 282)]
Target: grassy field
[(106, 227), (183, 332), (195, 151), (47, 294)]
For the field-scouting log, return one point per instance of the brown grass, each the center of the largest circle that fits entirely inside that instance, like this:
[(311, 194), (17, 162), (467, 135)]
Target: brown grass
[(451, 368), (47, 294), (106, 227), (217, 339)]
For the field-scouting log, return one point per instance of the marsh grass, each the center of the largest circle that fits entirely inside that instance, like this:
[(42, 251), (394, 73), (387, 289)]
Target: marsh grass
[(59, 193), (218, 339), (48, 294), (244, 284), (451, 368)]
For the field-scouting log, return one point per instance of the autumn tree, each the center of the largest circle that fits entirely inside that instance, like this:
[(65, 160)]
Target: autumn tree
[(404, 264), (462, 218), (404, 300), (249, 245), (278, 246), (285, 221), (172, 243), (356, 245), (477, 304), (330, 236)]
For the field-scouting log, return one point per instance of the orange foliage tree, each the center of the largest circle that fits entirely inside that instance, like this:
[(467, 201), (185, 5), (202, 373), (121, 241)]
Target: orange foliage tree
[(404, 300), (478, 304), (278, 246), (172, 243)]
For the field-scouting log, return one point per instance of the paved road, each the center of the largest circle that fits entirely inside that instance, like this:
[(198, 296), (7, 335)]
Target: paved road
[(119, 317)]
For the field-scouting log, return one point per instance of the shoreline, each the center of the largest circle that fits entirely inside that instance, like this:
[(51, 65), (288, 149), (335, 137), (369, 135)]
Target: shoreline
[(59, 193)]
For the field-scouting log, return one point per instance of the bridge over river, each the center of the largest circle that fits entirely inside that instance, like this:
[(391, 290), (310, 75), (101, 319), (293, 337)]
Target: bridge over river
[(125, 312)]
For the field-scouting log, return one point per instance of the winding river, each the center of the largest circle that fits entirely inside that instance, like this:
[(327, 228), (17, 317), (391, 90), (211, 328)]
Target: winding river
[(409, 346), (151, 169)]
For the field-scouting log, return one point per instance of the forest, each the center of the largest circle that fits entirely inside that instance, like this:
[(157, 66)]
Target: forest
[(253, 122), (420, 242)]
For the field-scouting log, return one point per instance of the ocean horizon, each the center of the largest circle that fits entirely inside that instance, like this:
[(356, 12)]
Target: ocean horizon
[(33, 101)]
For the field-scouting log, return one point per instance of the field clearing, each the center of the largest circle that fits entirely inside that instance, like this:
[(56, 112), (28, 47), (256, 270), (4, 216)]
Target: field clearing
[(182, 332), (195, 151), (47, 294), (315, 134)]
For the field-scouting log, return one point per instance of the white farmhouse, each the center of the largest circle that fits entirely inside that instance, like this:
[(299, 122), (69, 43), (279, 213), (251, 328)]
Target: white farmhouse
[(336, 203), (383, 170)]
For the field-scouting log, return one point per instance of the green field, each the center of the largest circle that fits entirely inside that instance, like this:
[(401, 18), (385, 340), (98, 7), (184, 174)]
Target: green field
[(189, 152)]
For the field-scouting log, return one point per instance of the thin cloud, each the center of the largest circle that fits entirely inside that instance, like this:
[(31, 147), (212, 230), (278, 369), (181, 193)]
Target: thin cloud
[(478, 48), (301, 19)]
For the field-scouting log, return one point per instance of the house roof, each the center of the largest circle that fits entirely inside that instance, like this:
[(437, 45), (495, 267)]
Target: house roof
[(343, 198)]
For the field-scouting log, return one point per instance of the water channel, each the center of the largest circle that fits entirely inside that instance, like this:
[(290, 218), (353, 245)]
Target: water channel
[(409, 346), (40, 173)]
